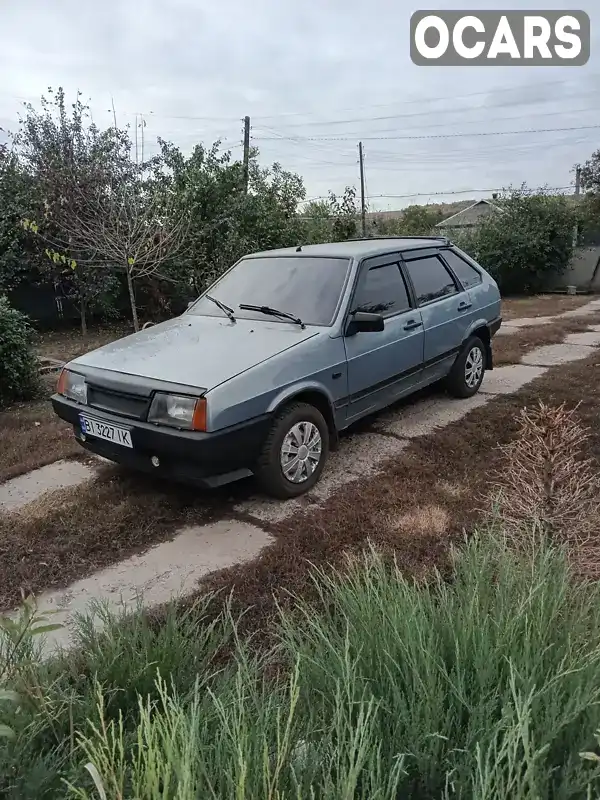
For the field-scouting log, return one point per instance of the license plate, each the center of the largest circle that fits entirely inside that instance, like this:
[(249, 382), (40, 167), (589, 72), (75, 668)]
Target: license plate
[(101, 430)]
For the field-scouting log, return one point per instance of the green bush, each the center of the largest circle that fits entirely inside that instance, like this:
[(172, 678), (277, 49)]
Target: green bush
[(18, 368), (484, 688), (526, 244)]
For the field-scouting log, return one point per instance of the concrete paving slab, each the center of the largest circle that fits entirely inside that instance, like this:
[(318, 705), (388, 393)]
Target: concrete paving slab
[(583, 311), (168, 570), (506, 330), (588, 338), (594, 327), (358, 456), (18, 492), (552, 355), (428, 415), (527, 322), (509, 379)]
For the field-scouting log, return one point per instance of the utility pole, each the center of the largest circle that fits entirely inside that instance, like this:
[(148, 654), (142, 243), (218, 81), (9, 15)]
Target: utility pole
[(577, 193), (246, 152), (142, 126), (363, 208)]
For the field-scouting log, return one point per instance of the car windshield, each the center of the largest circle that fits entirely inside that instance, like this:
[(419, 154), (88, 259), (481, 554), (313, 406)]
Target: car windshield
[(305, 286)]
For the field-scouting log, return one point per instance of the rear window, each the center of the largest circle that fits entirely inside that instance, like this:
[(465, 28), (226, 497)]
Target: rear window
[(305, 286), (466, 274)]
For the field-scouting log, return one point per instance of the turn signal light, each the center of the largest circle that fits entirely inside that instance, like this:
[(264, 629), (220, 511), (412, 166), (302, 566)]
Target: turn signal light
[(199, 417), (62, 379)]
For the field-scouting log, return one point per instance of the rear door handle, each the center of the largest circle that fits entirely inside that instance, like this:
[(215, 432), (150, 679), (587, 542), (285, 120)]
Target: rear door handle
[(412, 324), (464, 306)]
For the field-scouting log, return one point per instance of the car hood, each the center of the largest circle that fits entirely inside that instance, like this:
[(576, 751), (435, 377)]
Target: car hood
[(196, 351)]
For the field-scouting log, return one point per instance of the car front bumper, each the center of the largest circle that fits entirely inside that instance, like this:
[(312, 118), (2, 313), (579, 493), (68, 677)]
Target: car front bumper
[(209, 459)]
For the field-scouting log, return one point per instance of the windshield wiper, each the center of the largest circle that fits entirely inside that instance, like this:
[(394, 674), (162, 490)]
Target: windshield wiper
[(273, 312), (225, 309)]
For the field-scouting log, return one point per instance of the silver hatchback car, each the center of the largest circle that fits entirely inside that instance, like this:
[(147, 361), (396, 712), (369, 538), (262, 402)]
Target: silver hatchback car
[(283, 352)]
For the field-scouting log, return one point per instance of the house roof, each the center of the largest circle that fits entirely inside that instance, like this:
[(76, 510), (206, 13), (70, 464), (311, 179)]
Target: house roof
[(444, 222)]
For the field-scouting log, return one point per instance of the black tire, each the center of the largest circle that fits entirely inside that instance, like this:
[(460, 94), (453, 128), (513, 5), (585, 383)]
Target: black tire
[(457, 382), (269, 471)]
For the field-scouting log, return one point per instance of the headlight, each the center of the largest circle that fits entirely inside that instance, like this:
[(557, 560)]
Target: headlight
[(179, 411), (73, 386)]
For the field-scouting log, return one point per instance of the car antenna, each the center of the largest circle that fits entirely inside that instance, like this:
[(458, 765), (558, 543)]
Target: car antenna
[(299, 248)]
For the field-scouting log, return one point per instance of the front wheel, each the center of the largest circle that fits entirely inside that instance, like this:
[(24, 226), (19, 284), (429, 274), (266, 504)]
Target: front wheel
[(467, 373), (294, 453)]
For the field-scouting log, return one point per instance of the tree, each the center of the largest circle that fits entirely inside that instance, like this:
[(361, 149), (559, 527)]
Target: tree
[(344, 212), (588, 211), (68, 158), (317, 223), (130, 226), (19, 248), (415, 220), (225, 222), (590, 173), (527, 242)]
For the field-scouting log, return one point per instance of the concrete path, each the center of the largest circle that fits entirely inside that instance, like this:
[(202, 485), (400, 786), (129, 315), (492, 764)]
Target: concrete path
[(174, 567)]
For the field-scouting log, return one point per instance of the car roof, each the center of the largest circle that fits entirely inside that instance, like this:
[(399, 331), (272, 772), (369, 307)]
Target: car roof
[(359, 248)]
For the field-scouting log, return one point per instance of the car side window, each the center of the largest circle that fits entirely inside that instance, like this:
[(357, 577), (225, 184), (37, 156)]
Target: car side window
[(465, 273), (382, 290), (431, 279)]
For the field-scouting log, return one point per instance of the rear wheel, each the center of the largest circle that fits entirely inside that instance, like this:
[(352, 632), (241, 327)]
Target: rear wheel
[(294, 453), (467, 373)]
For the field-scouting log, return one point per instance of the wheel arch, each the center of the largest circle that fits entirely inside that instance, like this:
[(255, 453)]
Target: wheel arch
[(314, 395), (480, 328)]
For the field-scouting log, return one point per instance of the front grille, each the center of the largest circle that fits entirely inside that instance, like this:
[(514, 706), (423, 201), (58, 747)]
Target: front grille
[(126, 405)]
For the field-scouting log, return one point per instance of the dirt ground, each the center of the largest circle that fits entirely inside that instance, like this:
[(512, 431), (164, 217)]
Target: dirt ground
[(511, 348), (31, 436), (434, 490), (68, 344), (541, 305)]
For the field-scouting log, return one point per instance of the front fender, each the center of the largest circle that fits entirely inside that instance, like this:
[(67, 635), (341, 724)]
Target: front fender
[(290, 392)]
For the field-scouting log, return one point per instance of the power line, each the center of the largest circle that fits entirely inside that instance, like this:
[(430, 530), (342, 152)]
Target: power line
[(438, 194), (491, 91), (445, 123), (429, 136), (445, 111)]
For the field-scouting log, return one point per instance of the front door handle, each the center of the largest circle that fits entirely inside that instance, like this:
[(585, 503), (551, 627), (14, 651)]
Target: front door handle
[(464, 306), (412, 324)]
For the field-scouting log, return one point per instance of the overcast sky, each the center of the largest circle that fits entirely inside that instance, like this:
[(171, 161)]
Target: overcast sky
[(305, 72)]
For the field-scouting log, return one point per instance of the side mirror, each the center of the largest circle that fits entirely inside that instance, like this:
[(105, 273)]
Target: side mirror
[(365, 322)]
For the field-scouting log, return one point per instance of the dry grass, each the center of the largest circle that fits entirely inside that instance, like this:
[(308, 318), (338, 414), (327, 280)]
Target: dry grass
[(542, 305), (547, 483), (69, 534), (31, 437), (68, 344), (510, 348)]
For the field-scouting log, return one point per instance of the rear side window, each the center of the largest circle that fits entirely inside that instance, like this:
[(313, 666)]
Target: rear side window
[(431, 279), (382, 291), (465, 273)]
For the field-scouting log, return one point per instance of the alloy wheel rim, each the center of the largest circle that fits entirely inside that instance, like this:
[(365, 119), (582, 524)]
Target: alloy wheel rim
[(473, 367), (301, 452)]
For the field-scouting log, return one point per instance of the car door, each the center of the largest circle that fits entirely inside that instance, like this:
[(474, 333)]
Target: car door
[(387, 364), (471, 280), (446, 310)]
